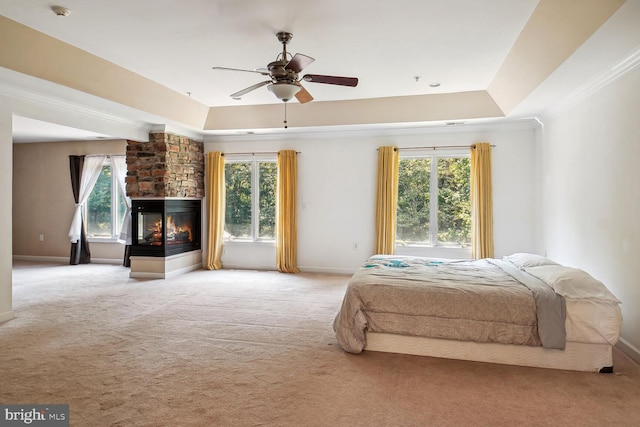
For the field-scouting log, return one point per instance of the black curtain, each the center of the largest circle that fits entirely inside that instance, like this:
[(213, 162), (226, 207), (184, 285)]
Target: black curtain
[(80, 253), (127, 256)]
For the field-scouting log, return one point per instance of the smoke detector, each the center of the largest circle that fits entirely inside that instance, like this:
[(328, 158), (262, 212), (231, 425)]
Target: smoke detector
[(60, 10)]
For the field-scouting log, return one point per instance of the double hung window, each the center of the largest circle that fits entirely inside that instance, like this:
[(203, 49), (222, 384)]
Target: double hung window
[(105, 207), (250, 200), (434, 206)]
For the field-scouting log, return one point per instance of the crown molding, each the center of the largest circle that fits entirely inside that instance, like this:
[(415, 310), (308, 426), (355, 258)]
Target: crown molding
[(500, 124), (177, 130), (605, 78)]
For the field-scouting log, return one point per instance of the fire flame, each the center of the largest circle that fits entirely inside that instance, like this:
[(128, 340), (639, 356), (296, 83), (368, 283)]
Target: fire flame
[(176, 234)]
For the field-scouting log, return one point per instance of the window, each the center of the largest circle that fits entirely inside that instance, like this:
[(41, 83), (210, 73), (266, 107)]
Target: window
[(434, 206), (105, 208), (251, 200)]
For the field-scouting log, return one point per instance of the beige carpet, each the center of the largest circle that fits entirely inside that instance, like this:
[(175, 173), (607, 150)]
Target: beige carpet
[(245, 348)]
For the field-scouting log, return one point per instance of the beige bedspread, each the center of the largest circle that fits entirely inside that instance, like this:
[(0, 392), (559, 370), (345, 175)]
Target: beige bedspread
[(471, 300)]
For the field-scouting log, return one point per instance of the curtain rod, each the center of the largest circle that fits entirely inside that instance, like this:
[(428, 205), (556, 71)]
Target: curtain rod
[(256, 153), (439, 147)]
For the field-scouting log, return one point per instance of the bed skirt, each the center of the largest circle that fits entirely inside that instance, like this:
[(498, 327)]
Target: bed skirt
[(575, 357)]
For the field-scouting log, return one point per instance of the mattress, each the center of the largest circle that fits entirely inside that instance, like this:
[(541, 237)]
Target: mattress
[(593, 321)]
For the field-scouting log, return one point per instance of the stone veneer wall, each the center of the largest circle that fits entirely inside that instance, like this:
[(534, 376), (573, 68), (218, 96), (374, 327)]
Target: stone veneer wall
[(166, 166)]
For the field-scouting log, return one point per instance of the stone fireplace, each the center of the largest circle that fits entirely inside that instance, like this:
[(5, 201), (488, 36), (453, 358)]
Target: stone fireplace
[(165, 181)]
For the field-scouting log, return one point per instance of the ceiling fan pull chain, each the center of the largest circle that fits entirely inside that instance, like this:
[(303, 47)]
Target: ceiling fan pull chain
[(285, 115)]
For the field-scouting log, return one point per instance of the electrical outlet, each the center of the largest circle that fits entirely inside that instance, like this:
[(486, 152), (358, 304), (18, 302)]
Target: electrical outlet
[(42, 237), (355, 246)]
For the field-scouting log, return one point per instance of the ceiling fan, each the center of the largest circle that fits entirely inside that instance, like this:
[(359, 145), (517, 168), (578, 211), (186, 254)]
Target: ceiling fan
[(283, 75)]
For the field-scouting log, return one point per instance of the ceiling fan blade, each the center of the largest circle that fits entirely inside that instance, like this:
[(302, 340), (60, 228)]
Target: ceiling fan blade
[(238, 94), (264, 73), (331, 80), (303, 96), (299, 62)]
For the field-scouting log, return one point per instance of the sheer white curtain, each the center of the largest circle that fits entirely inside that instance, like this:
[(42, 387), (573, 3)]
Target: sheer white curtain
[(119, 167), (90, 174)]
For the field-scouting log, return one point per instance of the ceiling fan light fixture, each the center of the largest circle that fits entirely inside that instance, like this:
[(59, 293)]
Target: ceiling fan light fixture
[(284, 91)]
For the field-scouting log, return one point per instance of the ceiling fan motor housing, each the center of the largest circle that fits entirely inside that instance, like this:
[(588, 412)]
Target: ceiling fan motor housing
[(280, 74)]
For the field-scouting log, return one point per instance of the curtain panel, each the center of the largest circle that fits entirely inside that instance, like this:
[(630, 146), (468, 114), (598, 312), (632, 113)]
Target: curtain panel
[(481, 202), (89, 175), (119, 168), (80, 253), (386, 199), (215, 194), (286, 226)]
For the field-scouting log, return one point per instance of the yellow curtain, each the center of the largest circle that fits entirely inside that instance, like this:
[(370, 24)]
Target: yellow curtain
[(386, 199), (215, 192), (481, 202), (286, 227)]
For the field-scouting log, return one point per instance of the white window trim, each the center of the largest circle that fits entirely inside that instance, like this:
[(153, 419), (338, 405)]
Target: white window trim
[(115, 194), (433, 246), (255, 198)]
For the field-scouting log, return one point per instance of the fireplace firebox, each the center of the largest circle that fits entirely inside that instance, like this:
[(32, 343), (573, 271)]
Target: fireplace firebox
[(165, 227)]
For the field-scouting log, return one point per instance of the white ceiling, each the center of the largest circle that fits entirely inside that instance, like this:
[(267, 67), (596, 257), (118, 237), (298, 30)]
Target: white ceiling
[(32, 130), (459, 43), (394, 48)]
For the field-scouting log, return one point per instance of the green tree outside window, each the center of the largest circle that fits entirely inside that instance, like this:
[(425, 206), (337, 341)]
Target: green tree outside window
[(434, 201)]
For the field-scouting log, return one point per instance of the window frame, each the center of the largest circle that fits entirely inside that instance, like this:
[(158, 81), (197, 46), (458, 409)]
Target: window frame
[(433, 198), (255, 161), (115, 199)]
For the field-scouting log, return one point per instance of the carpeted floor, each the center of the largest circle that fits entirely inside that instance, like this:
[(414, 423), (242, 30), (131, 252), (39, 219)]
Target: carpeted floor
[(247, 348)]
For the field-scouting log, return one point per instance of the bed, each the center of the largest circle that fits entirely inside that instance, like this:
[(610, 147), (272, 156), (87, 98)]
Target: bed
[(523, 309)]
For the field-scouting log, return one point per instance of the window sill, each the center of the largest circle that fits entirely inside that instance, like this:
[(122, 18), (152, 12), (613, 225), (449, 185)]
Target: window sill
[(249, 242), (434, 251), (103, 240)]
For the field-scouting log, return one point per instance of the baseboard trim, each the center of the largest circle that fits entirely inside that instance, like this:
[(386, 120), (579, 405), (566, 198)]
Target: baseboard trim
[(232, 266), (6, 316), (64, 260), (302, 268), (107, 261), (629, 349), (56, 259), (348, 271)]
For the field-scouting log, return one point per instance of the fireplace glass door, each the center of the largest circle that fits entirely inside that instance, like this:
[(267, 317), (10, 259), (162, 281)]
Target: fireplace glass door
[(165, 227), (150, 230)]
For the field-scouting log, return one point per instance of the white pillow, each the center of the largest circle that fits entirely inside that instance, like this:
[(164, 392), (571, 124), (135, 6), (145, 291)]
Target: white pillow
[(572, 282), (524, 260)]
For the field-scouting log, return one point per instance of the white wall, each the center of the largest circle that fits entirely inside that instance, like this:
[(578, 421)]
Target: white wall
[(336, 191), (590, 185), (6, 168)]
